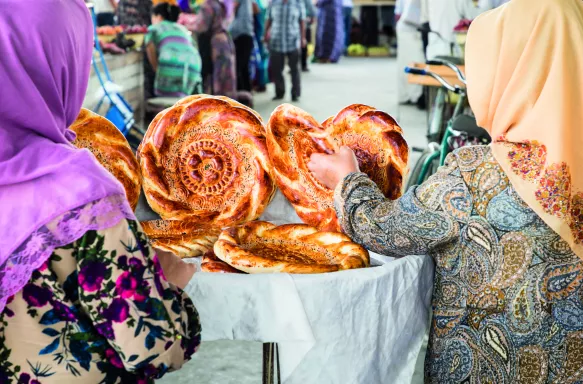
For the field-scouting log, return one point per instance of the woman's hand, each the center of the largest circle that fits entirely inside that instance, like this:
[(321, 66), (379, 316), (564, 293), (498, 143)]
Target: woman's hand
[(331, 169), (176, 271)]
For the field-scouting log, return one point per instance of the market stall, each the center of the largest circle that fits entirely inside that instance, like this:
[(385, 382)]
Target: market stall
[(234, 195), (357, 326)]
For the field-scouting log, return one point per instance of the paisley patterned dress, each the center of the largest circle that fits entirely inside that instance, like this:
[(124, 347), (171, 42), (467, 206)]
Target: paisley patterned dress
[(508, 296), (98, 311)]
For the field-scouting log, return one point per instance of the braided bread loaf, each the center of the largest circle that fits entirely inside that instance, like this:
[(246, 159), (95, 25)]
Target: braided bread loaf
[(262, 247)]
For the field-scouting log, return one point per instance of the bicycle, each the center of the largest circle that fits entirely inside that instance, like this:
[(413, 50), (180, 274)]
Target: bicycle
[(461, 129)]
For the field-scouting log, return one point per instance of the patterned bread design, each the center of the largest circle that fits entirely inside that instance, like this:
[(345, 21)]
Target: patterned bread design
[(183, 238), (205, 160), (112, 150), (262, 247), (234, 103), (378, 143), (293, 135)]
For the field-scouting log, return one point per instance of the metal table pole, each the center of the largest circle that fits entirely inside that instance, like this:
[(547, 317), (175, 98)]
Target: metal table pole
[(271, 371)]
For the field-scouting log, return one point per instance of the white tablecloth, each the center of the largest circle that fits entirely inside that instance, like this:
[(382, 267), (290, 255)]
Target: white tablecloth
[(358, 326)]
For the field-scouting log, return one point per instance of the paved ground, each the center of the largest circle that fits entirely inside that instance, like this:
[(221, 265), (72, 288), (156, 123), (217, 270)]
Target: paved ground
[(326, 90)]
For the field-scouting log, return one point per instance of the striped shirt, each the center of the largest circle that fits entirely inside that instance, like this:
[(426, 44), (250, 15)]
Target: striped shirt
[(285, 16), (179, 63)]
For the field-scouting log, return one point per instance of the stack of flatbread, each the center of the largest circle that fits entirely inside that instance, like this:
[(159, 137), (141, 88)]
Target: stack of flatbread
[(209, 167)]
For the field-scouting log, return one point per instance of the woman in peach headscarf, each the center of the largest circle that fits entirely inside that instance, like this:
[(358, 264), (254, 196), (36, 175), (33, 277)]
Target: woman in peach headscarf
[(504, 223)]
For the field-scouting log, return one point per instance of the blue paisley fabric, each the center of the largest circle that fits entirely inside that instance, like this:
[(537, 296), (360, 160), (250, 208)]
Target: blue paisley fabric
[(508, 296), (98, 311)]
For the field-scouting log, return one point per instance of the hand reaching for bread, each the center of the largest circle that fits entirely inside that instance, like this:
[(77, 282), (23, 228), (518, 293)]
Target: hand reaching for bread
[(331, 169)]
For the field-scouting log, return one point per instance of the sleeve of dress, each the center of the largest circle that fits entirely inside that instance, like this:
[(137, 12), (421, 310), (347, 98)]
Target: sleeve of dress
[(152, 325), (401, 227), (197, 22)]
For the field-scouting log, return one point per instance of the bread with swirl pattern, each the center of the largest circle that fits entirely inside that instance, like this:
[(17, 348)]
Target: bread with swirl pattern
[(293, 136), (205, 160), (112, 150)]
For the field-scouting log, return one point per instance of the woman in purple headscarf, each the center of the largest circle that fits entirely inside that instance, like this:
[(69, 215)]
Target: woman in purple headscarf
[(330, 32), (82, 295)]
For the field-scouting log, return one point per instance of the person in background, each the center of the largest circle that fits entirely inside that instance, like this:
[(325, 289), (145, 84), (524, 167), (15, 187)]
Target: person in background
[(310, 16), (172, 54), (259, 19), (83, 296), (443, 16), (105, 12), (369, 22), (242, 33), (486, 5), (330, 41), (216, 49), (504, 223), (409, 50), (425, 28), (347, 6), (285, 33)]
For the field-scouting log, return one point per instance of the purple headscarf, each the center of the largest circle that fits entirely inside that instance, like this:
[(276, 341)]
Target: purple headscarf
[(46, 48)]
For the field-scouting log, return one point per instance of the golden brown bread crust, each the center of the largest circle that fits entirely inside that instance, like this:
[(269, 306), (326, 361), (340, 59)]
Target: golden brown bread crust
[(234, 103), (262, 247), (378, 143), (183, 238), (211, 263), (112, 150), (205, 160), (293, 135)]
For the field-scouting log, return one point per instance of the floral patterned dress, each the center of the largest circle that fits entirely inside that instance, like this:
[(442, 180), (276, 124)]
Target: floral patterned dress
[(98, 311), (508, 291)]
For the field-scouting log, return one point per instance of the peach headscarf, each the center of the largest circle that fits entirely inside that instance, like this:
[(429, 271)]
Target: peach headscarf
[(524, 64)]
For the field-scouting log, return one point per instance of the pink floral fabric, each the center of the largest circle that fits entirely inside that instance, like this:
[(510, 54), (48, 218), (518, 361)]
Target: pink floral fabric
[(65, 229), (97, 310)]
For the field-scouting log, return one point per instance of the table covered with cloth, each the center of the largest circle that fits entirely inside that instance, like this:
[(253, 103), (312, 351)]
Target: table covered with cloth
[(355, 326)]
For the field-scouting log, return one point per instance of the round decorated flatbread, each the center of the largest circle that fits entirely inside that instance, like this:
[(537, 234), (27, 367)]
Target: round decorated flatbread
[(205, 160), (112, 150), (293, 136)]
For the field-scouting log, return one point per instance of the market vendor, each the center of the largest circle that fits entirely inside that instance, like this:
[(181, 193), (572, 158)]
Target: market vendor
[(83, 298), (504, 223), (172, 54)]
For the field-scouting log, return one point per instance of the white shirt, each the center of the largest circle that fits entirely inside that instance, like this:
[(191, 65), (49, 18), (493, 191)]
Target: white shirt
[(486, 5), (103, 6), (347, 3), (444, 15), (410, 16), (399, 7)]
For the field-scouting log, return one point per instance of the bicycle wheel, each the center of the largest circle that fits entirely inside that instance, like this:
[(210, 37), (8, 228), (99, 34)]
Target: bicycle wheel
[(418, 175)]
